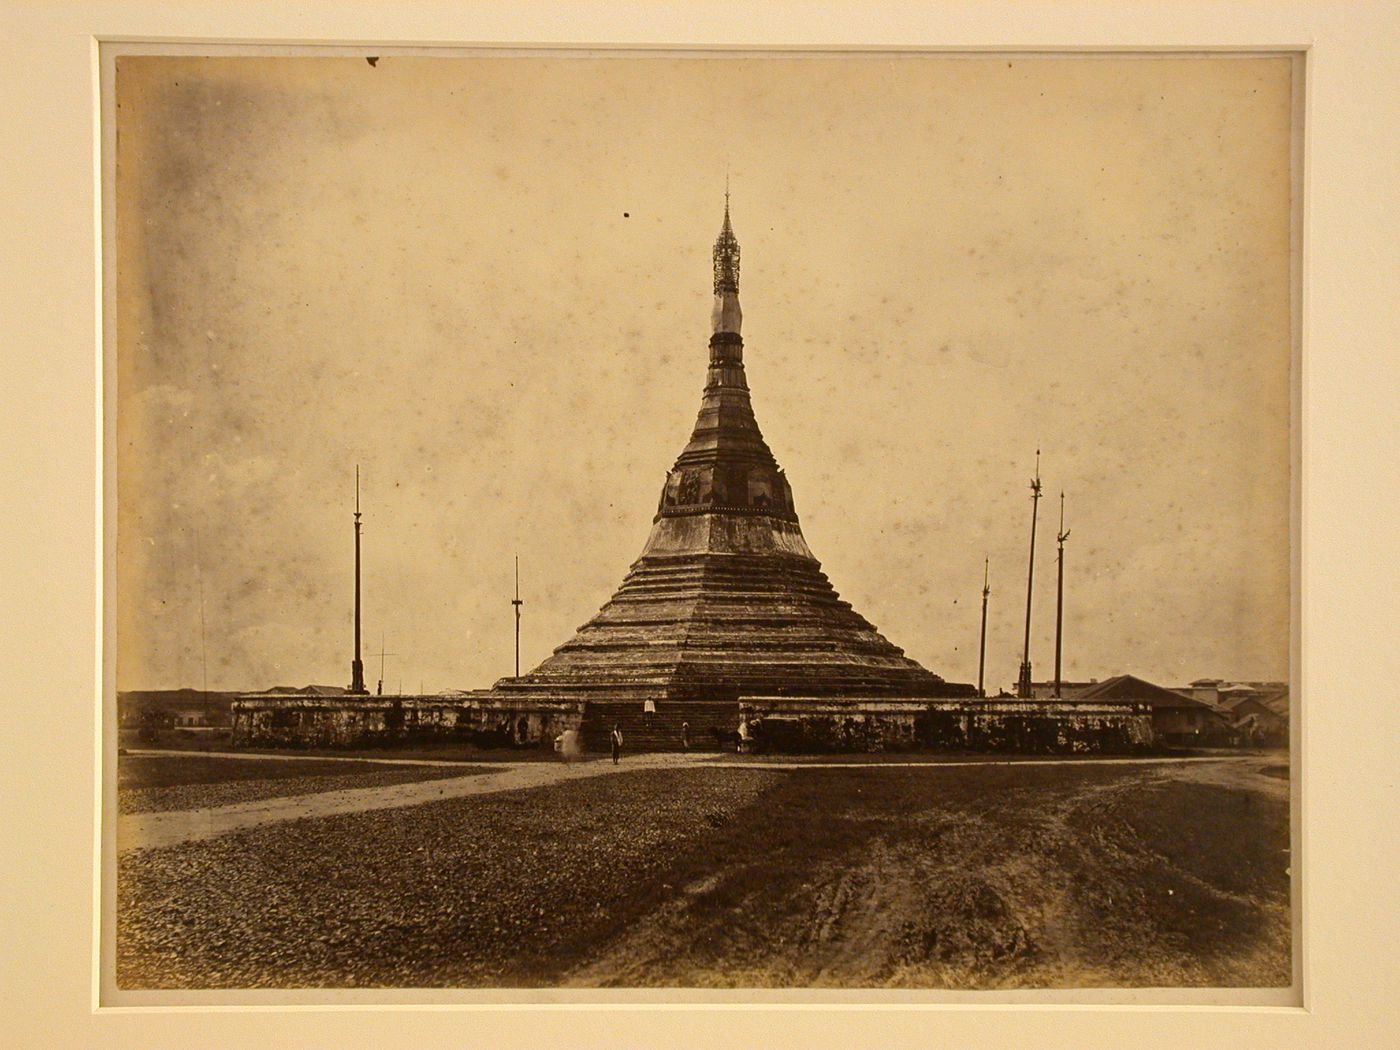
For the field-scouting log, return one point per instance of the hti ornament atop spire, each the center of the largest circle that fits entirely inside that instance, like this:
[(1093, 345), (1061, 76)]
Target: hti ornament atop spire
[(726, 318), (726, 255)]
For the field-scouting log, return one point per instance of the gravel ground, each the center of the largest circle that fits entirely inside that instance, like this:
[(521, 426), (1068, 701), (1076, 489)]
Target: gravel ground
[(981, 877), (499, 890), (974, 877), (202, 796)]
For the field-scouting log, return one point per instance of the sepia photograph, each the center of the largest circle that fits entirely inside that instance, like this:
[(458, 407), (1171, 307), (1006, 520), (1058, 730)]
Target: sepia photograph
[(496, 604)]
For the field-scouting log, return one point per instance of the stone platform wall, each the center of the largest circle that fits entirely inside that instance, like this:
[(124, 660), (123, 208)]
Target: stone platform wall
[(807, 725), (659, 730), (777, 724), (277, 720)]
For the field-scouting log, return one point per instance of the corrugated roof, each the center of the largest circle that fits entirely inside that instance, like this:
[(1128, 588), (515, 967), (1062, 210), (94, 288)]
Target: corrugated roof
[(1231, 703), (1277, 703)]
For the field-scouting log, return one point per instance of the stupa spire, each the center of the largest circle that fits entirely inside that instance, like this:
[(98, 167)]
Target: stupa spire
[(726, 599), (726, 467)]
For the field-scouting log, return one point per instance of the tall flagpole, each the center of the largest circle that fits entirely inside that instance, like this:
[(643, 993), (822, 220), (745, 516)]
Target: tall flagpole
[(1023, 688), (982, 652), (1060, 538), (357, 668), (517, 603), (203, 648)]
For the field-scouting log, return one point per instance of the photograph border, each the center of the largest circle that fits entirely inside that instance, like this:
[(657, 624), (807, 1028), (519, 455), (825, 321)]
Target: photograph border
[(1341, 607)]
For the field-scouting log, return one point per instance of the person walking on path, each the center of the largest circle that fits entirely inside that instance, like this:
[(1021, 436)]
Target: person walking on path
[(616, 743), (685, 736)]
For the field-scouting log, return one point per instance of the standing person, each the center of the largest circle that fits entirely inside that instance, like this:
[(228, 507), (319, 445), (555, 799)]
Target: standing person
[(569, 745), (616, 743), (685, 736)]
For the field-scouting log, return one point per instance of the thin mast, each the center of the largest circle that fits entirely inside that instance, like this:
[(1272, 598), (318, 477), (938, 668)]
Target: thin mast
[(380, 690), (1024, 689), (1060, 538), (203, 648), (982, 653), (357, 667), (517, 603)]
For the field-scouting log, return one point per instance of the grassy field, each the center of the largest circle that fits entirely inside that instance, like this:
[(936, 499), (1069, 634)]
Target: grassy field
[(150, 784), (201, 740), (971, 877)]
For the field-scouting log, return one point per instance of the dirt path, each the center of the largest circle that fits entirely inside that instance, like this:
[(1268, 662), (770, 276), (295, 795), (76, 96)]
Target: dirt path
[(153, 830), (1246, 772)]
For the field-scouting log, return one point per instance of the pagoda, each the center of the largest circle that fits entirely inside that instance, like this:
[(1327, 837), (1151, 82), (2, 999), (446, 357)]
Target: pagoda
[(726, 600)]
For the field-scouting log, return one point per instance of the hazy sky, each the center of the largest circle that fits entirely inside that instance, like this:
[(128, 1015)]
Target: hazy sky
[(487, 281)]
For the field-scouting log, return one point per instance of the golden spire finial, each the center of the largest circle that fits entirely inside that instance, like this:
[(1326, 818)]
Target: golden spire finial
[(726, 253)]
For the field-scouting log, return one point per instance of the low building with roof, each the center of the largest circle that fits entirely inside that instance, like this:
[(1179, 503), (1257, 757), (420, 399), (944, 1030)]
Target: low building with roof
[(1177, 718), (1257, 722), (172, 708)]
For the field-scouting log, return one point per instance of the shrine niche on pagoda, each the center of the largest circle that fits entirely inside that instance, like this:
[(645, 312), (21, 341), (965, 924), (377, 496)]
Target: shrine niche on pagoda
[(726, 599)]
